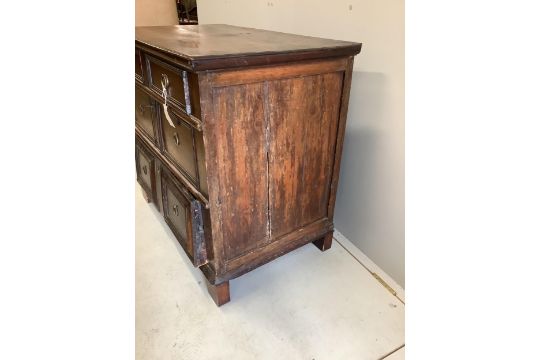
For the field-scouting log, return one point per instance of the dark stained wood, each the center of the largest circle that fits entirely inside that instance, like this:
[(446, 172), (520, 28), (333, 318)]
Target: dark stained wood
[(158, 198), (184, 215), (144, 165), (211, 127), (181, 87), (193, 85), (268, 73), (146, 196), (204, 47), (344, 105), (173, 168), (200, 153), (325, 242), (192, 120), (282, 245), (166, 74), (219, 293), (301, 152), (243, 187), (250, 170), (179, 146), (138, 66), (145, 114)]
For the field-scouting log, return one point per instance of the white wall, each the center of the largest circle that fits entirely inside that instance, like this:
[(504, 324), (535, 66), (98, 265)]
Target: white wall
[(155, 12), (371, 200)]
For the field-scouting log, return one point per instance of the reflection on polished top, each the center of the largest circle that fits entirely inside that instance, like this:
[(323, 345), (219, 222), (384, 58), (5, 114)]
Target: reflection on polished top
[(199, 42)]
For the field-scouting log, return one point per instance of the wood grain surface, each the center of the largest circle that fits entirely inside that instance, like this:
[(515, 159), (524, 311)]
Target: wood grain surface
[(212, 46), (250, 169)]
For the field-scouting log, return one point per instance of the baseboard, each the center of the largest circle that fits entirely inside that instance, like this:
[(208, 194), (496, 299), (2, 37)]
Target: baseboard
[(370, 265)]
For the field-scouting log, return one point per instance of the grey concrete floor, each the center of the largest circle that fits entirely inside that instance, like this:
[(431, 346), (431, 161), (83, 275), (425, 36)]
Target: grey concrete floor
[(305, 305)]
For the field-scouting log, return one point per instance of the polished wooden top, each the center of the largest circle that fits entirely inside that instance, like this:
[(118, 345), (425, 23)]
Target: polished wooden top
[(220, 46)]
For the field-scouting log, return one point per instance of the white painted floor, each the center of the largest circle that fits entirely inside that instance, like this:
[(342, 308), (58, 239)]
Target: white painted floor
[(305, 305)]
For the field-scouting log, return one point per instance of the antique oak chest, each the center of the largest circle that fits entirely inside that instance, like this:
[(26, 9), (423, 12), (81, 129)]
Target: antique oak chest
[(238, 140)]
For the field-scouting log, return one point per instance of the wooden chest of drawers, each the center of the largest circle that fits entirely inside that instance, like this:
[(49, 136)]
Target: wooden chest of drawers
[(238, 139)]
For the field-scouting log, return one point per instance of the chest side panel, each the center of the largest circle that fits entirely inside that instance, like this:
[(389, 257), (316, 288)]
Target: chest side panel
[(303, 119), (242, 166), (272, 135)]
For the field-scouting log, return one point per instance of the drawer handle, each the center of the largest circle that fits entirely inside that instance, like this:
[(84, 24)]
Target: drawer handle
[(164, 81), (175, 210), (145, 170), (165, 93), (176, 139)]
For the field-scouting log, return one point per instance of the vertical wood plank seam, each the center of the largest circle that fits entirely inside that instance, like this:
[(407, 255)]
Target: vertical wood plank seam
[(267, 148), (302, 183), (210, 120)]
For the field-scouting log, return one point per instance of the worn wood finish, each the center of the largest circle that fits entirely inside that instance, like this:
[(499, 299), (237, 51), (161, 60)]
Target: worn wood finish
[(173, 168), (219, 293), (192, 120), (174, 80), (301, 152), (249, 171), (283, 245), (325, 242), (144, 165), (344, 105), (179, 146), (184, 215), (242, 155), (218, 46), (286, 71), (145, 114), (139, 76)]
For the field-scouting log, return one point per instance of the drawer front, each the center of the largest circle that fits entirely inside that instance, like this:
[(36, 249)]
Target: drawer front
[(181, 86), (179, 147), (145, 113), (184, 215), (144, 164)]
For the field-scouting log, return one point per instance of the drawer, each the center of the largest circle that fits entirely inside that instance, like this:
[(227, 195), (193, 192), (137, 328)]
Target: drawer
[(182, 87), (139, 73), (145, 114), (184, 215), (183, 145), (144, 164)]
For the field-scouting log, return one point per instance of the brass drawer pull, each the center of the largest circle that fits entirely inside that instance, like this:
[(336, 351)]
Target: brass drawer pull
[(176, 139), (145, 170), (175, 210), (164, 81), (165, 94)]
